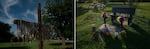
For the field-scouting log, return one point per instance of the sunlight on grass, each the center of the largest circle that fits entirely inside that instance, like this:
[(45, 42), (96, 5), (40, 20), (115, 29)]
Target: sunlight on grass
[(34, 45), (134, 33)]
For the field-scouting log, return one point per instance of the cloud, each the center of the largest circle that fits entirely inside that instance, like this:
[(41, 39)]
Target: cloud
[(6, 7), (30, 13), (9, 21), (26, 12)]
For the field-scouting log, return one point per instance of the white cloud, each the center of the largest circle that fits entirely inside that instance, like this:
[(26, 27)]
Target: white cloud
[(6, 4), (31, 1), (6, 7), (30, 12)]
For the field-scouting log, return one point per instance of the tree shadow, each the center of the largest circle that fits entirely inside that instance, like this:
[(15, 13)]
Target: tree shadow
[(58, 44), (136, 41), (81, 10), (68, 48), (81, 44), (117, 5), (112, 43), (23, 47), (140, 30), (143, 19), (109, 41), (95, 36)]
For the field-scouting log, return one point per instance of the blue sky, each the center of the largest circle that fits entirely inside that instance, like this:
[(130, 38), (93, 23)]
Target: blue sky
[(18, 9)]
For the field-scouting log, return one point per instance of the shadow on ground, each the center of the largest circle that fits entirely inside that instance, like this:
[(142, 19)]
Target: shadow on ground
[(81, 10), (58, 44), (109, 41), (80, 44), (133, 40), (113, 43), (117, 5), (136, 41), (23, 47)]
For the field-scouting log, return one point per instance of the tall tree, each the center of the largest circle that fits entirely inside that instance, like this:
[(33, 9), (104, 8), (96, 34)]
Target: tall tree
[(133, 3), (5, 34), (60, 14)]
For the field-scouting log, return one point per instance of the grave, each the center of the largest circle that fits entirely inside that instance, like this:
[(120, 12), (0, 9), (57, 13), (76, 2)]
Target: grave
[(126, 10)]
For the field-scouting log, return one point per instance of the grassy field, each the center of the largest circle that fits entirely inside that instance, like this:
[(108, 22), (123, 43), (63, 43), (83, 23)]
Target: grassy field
[(138, 34), (34, 45)]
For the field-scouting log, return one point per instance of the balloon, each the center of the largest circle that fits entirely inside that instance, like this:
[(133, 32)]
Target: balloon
[(98, 19), (118, 19), (107, 33), (125, 24)]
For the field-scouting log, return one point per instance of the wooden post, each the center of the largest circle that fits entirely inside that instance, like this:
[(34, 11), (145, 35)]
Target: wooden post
[(39, 27)]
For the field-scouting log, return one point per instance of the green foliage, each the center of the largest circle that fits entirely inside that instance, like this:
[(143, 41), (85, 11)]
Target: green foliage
[(5, 34), (61, 13)]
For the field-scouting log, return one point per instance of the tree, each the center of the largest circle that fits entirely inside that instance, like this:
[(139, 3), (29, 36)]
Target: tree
[(5, 34), (60, 14), (133, 3)]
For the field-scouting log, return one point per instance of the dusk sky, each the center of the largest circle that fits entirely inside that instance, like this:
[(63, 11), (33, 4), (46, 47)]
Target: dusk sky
[(20, 10)]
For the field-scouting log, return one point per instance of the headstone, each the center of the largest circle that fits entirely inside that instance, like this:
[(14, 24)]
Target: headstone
[(126, 10)]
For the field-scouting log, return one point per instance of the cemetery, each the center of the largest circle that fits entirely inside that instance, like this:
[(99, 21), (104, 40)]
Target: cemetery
[(120, 25)]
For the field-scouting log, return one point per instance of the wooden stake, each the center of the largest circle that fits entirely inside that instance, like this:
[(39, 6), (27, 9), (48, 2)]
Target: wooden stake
[(39, 27)]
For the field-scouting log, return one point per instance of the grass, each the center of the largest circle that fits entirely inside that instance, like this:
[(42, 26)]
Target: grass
[(34, 45), (138, 34)]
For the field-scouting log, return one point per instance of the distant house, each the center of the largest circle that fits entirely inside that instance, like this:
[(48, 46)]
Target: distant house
[(30, 30)]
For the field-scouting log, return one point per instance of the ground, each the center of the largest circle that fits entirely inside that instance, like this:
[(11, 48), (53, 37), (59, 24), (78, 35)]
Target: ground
[(137, 36), (55, 44)]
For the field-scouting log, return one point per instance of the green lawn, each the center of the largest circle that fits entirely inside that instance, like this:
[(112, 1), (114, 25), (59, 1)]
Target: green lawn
[(138, 34), (34, 45)]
